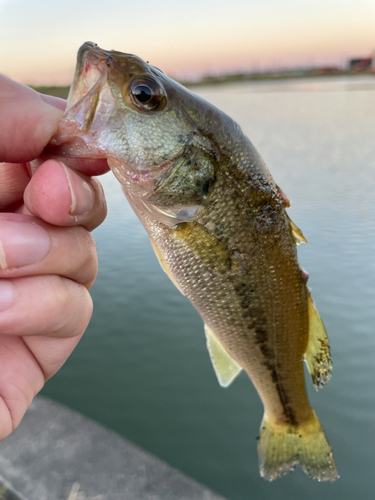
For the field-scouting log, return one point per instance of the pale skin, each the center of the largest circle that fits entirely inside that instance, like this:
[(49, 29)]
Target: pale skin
[(48, 259)]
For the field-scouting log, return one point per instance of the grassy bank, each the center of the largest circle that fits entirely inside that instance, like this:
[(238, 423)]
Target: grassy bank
[(233, 78), (55, 91)]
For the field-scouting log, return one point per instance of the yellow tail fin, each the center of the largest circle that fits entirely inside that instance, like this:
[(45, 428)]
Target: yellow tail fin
[(282, 446)]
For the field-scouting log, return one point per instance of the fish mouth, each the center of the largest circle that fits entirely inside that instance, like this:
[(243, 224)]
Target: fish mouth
[(91, 72), (89, 106)]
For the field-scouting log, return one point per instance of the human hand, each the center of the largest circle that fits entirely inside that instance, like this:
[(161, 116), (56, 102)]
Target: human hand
[(48, 258)]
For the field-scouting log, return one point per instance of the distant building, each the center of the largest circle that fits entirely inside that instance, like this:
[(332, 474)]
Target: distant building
[(363, 64)]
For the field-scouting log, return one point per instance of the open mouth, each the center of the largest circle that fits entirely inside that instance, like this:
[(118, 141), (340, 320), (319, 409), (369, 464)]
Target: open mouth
[(89, 107), (90, 69)]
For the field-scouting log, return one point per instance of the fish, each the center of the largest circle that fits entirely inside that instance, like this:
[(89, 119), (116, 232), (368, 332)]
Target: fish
[(218, 224)]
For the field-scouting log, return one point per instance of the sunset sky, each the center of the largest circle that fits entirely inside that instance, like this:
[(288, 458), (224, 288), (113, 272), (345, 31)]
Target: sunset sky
[(39, 38)]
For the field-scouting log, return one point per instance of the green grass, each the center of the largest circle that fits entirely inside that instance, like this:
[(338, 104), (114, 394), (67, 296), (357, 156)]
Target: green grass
[(55, 91)]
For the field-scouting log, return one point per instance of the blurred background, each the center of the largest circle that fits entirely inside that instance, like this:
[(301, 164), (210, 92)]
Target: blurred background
[(188, 40), (299, 78)]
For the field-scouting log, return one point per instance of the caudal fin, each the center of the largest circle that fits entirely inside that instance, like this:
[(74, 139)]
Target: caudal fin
[(282, 446)]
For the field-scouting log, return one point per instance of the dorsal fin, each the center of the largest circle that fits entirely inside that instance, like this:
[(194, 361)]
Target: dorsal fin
[(318, 353), (297, 233), (164, 265), (283, 196), (226, 368)]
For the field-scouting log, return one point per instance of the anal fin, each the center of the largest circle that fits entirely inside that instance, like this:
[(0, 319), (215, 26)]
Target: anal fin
[(318, 353), (226, 368)]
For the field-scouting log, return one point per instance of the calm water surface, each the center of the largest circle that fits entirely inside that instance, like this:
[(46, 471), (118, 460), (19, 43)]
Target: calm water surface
[(142, 368)]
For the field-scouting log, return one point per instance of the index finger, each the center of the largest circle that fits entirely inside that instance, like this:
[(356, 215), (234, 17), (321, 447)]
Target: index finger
[(27, 122), (56, 102)]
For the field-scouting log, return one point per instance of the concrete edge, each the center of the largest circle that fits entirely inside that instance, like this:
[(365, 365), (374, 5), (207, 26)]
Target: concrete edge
[(59, 454)]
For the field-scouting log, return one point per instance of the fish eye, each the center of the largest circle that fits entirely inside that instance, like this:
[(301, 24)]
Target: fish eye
[(142, 93), (147, 94)]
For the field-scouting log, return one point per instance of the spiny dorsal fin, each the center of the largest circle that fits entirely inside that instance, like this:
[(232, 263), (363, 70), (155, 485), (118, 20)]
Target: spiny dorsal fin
[(297, 233), (226, 368), (164, 265), (283, 196), (318, 353)]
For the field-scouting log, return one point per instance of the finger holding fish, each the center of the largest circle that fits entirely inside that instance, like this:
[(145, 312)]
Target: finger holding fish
[(32, 247), (45, 274), (27, 121), (64, 304), (64, 197), (47, 256)]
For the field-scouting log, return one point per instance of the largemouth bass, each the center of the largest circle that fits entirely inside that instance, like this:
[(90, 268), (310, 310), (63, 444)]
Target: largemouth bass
[(218, 224)]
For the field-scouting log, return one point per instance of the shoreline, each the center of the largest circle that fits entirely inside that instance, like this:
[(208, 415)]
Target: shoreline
[(294, 75)]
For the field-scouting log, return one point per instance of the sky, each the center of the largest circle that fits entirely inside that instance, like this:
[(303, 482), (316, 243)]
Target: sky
[(39, 39)]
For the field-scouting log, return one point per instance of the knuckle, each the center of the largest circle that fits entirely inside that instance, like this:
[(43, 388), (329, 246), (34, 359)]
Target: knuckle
[(81, 313), (73, 306), (85, 256)]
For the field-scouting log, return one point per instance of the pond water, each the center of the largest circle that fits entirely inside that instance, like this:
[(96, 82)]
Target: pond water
[(142, 367)]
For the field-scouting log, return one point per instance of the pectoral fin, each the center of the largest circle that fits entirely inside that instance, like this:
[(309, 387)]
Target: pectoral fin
[(164, 265), (318, 353), (207, 247), (297, 233), (226, 368)]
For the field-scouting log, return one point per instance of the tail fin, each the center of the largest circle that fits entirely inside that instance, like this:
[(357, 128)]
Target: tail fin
[(282, 446)]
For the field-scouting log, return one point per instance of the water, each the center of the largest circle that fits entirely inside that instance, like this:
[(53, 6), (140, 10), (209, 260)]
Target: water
[(142, 368)]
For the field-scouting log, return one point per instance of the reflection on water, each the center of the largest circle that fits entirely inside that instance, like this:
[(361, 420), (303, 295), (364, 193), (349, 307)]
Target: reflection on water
[(142, 368)]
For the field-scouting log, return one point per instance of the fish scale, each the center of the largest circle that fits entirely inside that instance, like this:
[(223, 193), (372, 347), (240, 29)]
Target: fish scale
[(222, 308)]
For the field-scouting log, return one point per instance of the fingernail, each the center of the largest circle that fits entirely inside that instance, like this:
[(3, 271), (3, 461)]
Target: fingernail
[(21, 244), (6, 294), (81, 193)]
